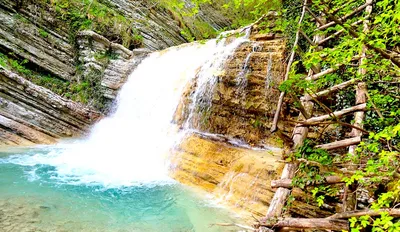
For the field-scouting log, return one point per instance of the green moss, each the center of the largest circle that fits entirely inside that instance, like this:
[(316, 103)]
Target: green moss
[(98, 16), (87, 91), (105, 57), (43, 33)]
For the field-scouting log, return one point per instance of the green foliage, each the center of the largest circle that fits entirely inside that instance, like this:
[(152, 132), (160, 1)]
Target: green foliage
[(377, 157), (43, 33), (96, 15), (239, 12), (87, 91)]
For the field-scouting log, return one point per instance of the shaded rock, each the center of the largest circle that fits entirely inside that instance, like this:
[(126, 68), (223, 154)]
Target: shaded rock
[(108, 62), (35, 114)]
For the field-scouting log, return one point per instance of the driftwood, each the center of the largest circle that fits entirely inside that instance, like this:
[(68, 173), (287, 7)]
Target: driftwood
[(287, 183), (334, 22), (331, 89), (338, 33), (291, 59), (310, 223), (387, 55), (336, 114), (340, 144), (372, 213)]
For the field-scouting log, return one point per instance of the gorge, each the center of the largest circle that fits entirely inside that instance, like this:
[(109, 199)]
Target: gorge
[(126, 152), (198, 115)]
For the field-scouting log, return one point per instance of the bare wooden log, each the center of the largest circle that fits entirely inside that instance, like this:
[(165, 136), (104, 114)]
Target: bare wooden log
[(310, 223), (299, 134), (282, 95), (333, 22), (306, 37), (338, 33), (276, 206), (314, 16), (323, 73), (331, 89), (342, 6), (385, 54), (340, 144), (340, 113), (372, 213), (287, 183), (350, 198)]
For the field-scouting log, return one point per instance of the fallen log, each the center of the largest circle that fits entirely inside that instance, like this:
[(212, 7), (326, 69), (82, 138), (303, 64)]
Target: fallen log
[(333, 22), (340, 144), (309, 223), (331, 90), (360, 107), (287, 183), (274, 126), (359, 213), (338, 32)]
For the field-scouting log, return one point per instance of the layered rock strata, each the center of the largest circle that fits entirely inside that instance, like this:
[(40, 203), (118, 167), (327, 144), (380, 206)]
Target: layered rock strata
[(30, 114), (236, 177), (244, 95)]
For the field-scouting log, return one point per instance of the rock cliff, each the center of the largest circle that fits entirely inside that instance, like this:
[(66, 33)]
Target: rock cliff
[(31, 114), (245, 93), (82, 51), (230, 152)]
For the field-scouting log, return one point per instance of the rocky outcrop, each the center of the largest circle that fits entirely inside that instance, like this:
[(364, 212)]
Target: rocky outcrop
[(109, 62), (219, 155), (245, 93), (20, 34), (47, 38), (236, 177), (30, 114), (32, 30), (38, 38), (161, 27)]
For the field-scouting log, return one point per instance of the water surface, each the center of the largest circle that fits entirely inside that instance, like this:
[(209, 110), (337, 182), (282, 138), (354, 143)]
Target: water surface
[(34, 197)]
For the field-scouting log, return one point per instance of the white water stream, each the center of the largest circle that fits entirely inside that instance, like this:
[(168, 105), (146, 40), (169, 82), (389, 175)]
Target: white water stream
[(129, 147)]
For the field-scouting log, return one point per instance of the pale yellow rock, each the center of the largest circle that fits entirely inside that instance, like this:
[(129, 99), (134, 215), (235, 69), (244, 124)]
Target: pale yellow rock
[(237, 177)]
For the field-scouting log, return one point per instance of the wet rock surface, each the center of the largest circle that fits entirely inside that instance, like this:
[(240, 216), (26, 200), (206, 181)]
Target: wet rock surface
[(238, 177), (245, 94)]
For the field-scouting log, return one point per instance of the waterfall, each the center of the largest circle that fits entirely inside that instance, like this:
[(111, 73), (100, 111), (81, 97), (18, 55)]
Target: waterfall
[(242, 77), (129, 147), (201, 99)]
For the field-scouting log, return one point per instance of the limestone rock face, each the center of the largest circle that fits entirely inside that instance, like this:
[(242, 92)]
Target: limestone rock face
[(160, 27), (245, 93), (109, 62), (20, 34), (237, 176), (30, 114), (43, 38)]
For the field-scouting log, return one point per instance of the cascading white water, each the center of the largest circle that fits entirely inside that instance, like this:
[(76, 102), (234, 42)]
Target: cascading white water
[(201, 99), (128, 148)]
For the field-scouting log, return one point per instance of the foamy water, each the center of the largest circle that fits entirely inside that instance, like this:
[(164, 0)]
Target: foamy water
[(129, 147)]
